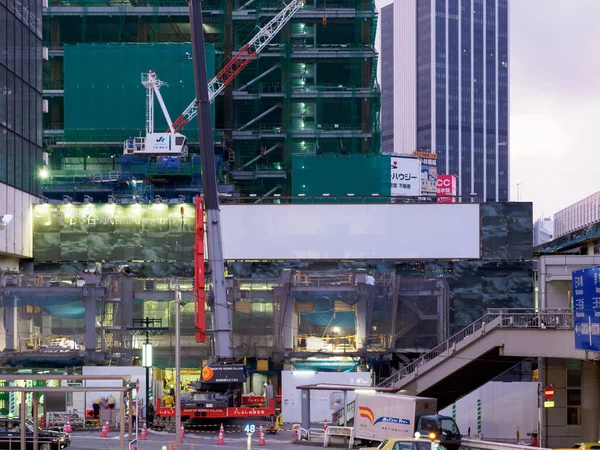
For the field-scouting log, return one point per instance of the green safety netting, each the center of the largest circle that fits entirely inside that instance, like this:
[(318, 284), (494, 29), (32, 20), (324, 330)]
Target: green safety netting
[(104, 97)]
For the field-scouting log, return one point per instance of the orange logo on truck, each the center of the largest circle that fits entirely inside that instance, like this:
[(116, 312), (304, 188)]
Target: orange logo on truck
[(207, 373), (367, 413)]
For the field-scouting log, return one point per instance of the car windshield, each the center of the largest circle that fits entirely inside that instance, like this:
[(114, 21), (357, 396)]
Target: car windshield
[(449, 426)]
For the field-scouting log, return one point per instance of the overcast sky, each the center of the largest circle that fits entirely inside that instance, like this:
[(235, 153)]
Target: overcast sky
[(554, 101)]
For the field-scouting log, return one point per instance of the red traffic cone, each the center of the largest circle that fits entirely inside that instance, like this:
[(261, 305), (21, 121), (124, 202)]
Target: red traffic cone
[(221, 438), (105, 430), (182, 433), (67, 427), (261, 436), (325, 425), (191, 446), (144, 433)]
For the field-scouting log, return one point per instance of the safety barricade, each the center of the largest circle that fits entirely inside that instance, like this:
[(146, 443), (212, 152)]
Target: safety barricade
[(346, 432)]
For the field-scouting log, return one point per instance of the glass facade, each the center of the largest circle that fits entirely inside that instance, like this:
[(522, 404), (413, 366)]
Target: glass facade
[(449, 294), (20, 93), (466, 120)]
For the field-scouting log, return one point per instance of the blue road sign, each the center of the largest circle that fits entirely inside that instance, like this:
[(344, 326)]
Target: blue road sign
[(586, 308)]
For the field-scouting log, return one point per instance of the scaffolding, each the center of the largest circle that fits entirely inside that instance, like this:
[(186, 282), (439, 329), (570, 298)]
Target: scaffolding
[(312, 91)]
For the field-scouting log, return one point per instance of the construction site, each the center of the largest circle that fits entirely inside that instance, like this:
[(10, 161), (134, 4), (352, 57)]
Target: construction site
[(311, 89)]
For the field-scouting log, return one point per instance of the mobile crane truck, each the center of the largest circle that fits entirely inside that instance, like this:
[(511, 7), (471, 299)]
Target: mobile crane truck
[(218, 394)]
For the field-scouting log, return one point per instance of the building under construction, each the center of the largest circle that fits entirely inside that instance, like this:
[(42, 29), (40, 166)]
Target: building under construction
[(312, 90)]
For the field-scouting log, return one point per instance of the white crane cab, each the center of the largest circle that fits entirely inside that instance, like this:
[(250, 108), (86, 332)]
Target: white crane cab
[(157, 144)]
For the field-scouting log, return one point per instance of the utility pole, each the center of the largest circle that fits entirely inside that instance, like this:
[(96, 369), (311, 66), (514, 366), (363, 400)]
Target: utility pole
[(177, 367)]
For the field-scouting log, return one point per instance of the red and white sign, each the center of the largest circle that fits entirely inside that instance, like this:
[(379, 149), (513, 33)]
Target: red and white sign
[(549, 392), (446, 188)]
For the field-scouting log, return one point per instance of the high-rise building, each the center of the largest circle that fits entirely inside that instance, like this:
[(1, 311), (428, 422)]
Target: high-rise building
[(312, 90), (543, 231), (20, 125), (451, 87), (387, 78)]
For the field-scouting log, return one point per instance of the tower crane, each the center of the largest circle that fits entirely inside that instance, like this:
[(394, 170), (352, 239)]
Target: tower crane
[(174, 143), (242, 58)]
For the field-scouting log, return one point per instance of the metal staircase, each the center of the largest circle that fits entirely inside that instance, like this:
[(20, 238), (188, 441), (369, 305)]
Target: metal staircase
[(507, 319)]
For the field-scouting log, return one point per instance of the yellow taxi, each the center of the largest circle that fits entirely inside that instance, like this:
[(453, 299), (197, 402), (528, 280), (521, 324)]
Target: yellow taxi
[(416, 443), (584, 446)]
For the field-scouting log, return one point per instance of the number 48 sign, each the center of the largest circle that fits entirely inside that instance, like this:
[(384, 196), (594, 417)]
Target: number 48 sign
[(249, 428)]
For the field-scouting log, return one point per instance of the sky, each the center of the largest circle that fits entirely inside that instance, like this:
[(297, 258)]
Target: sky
[(554, 101)]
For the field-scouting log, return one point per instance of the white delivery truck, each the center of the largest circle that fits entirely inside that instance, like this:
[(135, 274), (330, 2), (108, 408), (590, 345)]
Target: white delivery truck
[(381, 416)]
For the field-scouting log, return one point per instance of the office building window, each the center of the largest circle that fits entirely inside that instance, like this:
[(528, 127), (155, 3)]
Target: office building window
[(573, 392)]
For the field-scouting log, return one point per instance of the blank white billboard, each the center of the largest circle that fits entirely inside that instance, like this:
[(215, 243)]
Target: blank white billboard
[(355, 231)]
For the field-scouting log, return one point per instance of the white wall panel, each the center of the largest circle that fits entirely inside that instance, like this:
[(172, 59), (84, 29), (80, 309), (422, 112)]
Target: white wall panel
[(321, 402), (504, 407), (390, 231), (17, 238)]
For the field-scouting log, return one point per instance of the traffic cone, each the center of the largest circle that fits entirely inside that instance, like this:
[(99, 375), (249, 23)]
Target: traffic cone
[(325, 425), (144, 433), (182, 436), (261, 436), (67, 427), (221, 438), (192, 446), (105, 430)]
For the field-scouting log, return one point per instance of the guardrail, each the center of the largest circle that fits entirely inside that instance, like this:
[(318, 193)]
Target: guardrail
[(347, 432), (476, 444)]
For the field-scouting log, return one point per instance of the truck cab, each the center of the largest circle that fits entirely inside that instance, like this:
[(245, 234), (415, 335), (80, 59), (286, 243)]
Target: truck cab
[(440, 428)]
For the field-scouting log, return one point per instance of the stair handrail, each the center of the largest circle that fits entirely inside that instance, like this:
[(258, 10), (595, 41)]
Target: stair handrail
[(510, 317), (433, 353)]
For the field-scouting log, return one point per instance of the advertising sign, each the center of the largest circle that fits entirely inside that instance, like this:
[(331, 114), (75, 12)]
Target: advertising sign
[(405, 176), (234, 373), (428, 172), (586, 308), (428, 180), (446, 188)]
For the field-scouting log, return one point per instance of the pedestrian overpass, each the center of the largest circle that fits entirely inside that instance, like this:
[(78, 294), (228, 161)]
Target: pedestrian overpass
[(483, 350)]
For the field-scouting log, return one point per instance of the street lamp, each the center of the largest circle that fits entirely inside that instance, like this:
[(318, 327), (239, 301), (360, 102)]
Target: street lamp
[(147, 327), (147, 363)]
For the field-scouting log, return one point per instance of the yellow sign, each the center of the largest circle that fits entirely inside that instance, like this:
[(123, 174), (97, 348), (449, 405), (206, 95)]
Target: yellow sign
[(548, 404)]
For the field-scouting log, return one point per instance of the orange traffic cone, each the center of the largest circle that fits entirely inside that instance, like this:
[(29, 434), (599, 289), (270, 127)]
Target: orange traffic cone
[(221, 439), (144, 433), (261, 436), (67, 427), (325, 425), (192, 446), (182, 433), (105, 430)]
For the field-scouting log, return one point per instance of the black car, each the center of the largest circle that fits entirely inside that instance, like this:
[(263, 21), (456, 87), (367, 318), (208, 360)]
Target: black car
[(10, 436)]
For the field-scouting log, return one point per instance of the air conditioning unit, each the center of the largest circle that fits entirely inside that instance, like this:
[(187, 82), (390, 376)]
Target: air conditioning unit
[(45, 105), (44, 3), (45, 158), (45, 53)]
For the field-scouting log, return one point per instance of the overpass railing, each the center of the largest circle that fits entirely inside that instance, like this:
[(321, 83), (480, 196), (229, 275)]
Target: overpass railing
[(545, 318), (509, 318)]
